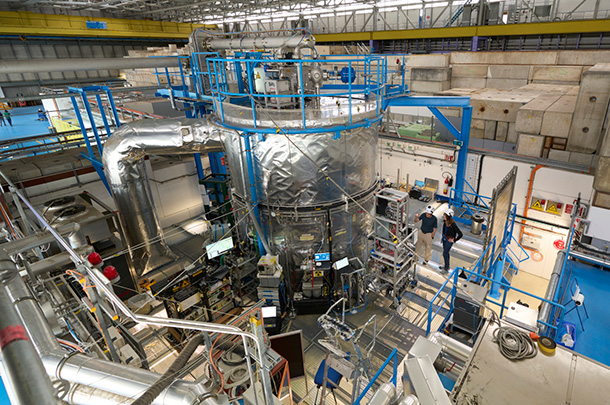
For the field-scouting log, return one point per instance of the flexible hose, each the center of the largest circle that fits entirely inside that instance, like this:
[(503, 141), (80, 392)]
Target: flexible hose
[(172, 372), (514, 344)]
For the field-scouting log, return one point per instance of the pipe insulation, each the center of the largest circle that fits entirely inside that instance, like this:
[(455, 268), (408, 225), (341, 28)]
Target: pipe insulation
[(107, 370), (124, 167), (24, 374), (545, 310), (102, 377), (78, 64), (263, 42)]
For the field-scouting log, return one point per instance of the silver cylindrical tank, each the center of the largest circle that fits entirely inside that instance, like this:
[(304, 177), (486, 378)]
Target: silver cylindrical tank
[(301, 179)]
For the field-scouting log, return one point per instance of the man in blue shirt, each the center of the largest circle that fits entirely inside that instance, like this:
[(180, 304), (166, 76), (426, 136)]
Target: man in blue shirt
[(426, 233)]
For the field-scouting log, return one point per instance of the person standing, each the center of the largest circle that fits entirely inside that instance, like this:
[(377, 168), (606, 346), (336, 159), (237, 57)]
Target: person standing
[(7, 117), (451, 234), (2, 122), (426, 233)]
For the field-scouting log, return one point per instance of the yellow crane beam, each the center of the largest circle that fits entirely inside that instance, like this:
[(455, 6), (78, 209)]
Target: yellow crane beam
[(560, 27), (35, 24)]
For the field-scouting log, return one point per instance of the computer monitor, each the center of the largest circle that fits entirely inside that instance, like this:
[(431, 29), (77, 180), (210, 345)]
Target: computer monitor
[(217, 248), (269, 312)]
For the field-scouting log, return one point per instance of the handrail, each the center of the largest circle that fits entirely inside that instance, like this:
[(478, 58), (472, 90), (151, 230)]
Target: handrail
[(502, 305), (393, 356), (513, 239), (454, 273), (460, 195), (508, 287), (479, 264), (372, 82)]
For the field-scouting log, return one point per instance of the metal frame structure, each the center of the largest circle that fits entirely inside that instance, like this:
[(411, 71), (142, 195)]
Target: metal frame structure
[(391, 16), (462, 135), (391, 251)]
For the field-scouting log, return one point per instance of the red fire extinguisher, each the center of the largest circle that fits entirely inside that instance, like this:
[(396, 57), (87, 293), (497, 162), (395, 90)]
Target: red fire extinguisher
[(448, 183)]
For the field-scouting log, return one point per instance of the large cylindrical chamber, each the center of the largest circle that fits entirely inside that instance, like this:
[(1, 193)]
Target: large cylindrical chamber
[(314, 188)]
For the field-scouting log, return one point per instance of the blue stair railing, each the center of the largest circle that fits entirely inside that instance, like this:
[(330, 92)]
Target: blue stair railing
[(557, 307), (392, 357), (457, 14)]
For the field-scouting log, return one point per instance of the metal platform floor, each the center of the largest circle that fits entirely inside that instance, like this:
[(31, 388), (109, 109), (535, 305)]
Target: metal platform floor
[(393, 331)]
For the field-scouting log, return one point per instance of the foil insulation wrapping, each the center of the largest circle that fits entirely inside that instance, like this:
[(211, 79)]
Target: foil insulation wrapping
[(126, 175)]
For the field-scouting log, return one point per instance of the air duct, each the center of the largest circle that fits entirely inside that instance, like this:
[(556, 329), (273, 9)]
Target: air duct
[(126, 175), (263, 42), (79, 64)]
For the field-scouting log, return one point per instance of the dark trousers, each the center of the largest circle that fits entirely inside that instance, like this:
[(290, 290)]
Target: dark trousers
[(10, 121), (446, 248)]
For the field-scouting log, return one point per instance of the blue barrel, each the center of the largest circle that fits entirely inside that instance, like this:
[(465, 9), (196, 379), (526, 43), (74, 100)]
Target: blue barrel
[(348, 75)]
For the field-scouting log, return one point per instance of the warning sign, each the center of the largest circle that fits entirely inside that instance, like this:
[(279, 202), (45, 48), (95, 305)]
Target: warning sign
[(538, 204), (553, 207), (569, 208)]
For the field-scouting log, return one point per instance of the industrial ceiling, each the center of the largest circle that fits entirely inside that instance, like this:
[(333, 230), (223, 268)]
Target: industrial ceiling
[(204, 11)]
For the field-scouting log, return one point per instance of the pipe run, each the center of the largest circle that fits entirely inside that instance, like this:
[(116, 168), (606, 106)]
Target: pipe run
[(123, 164), (263, 42), (79, 64), (451, 346), (104, 377), (24, 375), (545, 309)]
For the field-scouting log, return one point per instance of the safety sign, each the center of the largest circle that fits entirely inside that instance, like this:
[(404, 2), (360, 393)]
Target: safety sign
[(553, 207), (538, 204)]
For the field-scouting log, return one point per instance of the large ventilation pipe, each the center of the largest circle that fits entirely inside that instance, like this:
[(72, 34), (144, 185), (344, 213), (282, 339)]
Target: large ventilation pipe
[(78, 64), (124, 168), (264, 42), (24, 374)]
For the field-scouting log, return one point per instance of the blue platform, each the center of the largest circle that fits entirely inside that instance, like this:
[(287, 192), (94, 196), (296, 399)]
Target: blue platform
[(25, 124), (593, 282)]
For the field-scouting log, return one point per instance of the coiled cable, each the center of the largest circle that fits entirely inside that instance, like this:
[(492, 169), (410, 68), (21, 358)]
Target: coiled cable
[(514, 344)]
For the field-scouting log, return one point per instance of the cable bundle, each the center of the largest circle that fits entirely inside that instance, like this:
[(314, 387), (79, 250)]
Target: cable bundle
[(514, 344)]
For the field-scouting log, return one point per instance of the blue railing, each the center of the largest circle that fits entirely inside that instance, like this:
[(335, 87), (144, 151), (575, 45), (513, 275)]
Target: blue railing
[(506, 287), (369, 74), (453, 275), (392, 357), (468, 202), (516, 259), (485, 261), (174, 74)]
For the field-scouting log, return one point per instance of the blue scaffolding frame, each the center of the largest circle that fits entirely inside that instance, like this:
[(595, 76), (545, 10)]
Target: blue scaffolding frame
[(367, 76)]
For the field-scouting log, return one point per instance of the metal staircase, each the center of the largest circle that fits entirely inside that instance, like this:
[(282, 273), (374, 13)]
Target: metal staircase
[(457, 14)]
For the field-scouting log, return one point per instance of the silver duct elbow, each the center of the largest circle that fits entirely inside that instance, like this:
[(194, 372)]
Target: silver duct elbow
[(124, 168), (103, 379)]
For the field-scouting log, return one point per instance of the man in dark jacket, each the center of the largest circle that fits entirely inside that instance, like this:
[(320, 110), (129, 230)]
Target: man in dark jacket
[(425, 237)]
